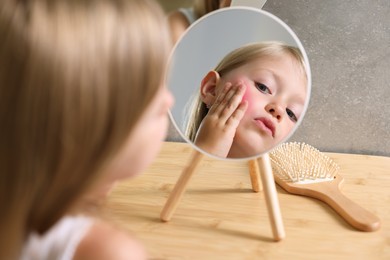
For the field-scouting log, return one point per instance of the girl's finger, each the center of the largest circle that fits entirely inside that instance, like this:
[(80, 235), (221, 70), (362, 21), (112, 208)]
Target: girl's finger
[(237, 115), (220, 101), (233, 102)]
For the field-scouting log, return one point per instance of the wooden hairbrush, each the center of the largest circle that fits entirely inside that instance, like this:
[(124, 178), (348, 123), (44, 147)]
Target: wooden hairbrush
[(303, 170)]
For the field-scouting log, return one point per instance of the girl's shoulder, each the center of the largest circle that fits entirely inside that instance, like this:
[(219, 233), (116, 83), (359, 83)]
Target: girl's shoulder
[(104, 241), (60, 242), (81, 237), (180, 20)]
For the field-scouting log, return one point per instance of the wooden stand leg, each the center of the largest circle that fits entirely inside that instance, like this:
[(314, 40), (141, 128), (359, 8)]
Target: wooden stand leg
[(255, 175), (271, 197), (181, 184)]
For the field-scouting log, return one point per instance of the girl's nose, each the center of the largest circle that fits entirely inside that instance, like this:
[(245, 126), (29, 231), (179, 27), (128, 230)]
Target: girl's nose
[(168, 98), (275, 110)]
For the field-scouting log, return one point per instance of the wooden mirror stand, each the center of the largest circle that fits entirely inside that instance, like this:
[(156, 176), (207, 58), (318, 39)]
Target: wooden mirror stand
[(262, 179)]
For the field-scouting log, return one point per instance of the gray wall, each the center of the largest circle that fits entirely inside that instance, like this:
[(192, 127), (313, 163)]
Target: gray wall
[(348, 45)]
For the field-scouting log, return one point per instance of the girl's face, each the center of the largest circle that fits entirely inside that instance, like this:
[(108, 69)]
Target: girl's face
[(142, 145), (146, 138), (276, 92)]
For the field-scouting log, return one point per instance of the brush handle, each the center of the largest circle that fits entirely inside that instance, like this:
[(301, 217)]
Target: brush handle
[(354, 214)]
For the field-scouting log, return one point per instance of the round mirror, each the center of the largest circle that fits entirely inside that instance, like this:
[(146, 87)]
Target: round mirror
[(242, 82)]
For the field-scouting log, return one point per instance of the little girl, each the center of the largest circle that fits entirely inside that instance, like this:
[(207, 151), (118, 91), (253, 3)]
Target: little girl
[(82, 105), (250, 102)]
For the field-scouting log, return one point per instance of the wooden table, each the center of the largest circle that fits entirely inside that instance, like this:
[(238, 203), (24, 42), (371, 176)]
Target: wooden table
[(220, 217)]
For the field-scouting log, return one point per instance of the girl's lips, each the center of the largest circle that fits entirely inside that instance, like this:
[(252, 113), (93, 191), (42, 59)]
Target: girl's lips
[(266, 125)]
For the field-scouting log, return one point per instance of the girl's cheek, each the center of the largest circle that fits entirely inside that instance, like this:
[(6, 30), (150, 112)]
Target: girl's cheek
[(247, 97)]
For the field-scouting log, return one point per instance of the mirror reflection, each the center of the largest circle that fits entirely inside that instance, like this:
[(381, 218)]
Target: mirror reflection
[(240, 94), (250, 102)]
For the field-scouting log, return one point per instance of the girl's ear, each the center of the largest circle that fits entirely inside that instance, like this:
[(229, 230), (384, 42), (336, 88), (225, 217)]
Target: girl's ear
[(208, 87)]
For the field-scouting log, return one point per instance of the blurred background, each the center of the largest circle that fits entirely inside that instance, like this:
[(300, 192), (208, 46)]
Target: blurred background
[(348, 45)]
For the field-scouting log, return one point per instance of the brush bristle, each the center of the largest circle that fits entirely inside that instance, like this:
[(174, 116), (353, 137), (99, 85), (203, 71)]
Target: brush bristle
[(295, 162)]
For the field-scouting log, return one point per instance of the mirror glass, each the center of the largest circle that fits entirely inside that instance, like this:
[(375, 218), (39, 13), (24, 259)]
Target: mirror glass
[(241, 81)]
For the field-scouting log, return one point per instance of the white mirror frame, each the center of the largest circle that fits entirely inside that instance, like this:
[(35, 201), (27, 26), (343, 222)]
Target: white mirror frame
[(208, 40)]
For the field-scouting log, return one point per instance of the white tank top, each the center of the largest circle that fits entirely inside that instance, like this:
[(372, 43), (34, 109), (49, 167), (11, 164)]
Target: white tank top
[(60, 242)]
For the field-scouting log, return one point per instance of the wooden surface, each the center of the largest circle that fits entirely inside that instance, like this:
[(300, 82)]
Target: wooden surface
[(220, 217)]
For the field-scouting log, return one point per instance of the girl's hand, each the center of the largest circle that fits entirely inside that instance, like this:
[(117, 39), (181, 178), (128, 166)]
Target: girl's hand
[(216, 132)]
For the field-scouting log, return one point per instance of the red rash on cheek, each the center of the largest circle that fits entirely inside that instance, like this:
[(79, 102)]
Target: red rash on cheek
[(247, 97)]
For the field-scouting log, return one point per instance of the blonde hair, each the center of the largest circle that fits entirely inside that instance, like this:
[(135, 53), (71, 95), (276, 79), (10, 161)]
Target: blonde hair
[(233, 60), (75, 76)]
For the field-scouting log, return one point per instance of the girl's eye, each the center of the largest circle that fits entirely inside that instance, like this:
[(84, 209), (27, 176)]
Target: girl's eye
[(291, 115), (263, 88)]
